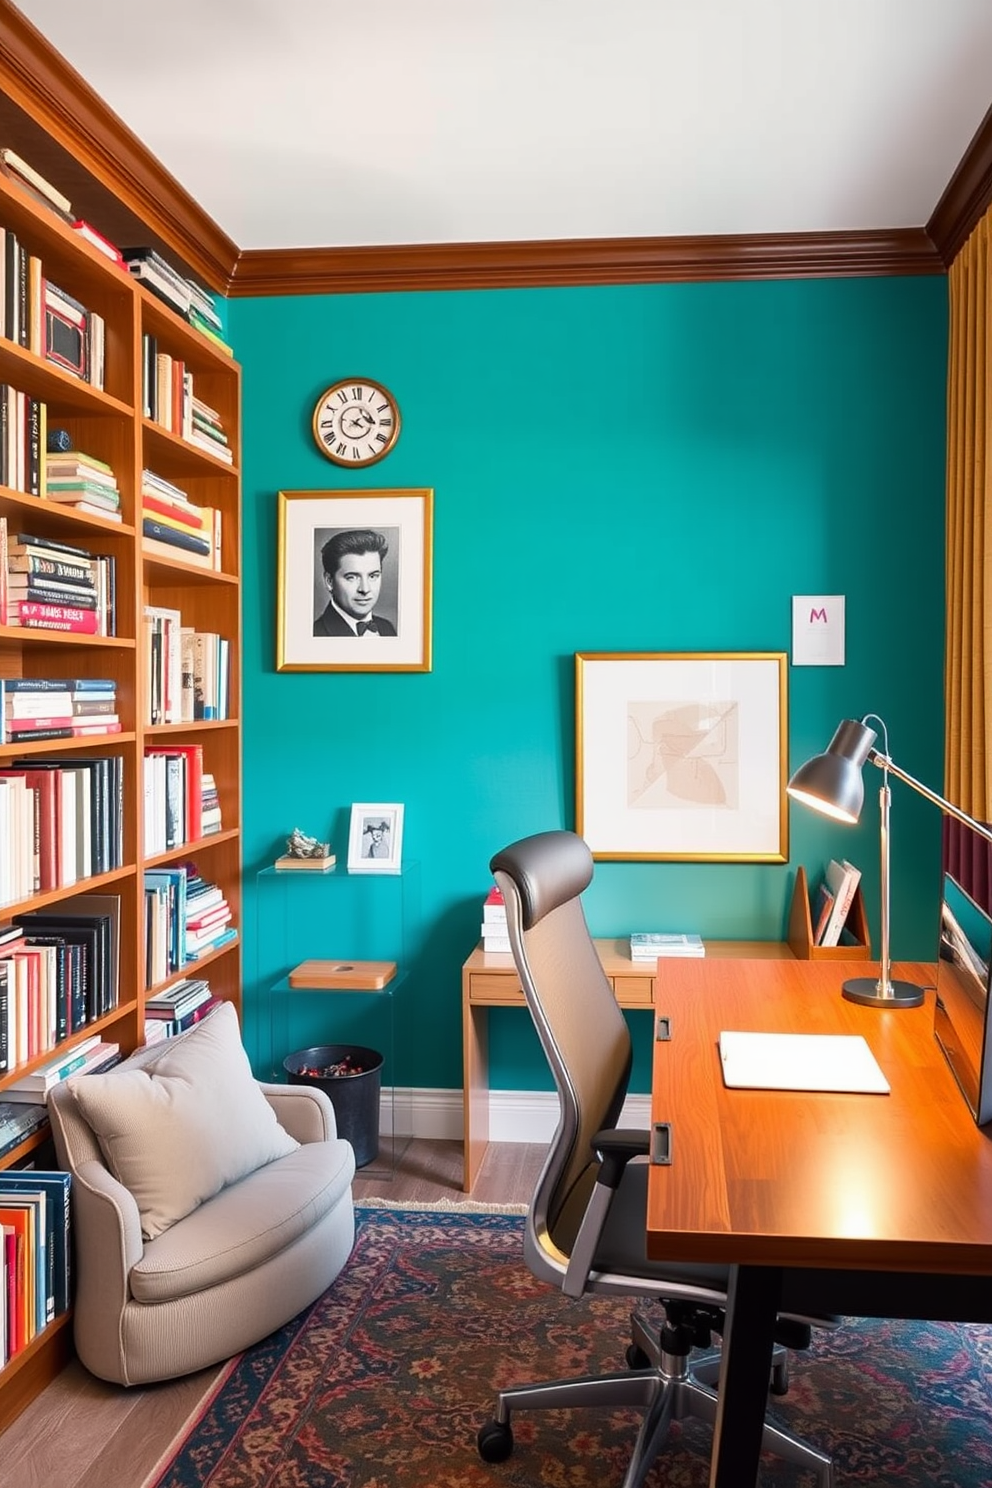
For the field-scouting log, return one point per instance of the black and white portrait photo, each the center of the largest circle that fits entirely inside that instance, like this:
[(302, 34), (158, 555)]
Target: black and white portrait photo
[(354, 581), (375, 839), (355, 572)]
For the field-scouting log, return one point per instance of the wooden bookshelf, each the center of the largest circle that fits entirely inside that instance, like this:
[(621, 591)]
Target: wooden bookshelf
[(109, 423), (800, 935)]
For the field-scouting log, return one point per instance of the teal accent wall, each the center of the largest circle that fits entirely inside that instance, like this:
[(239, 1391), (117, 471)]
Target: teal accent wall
[(629, 468)]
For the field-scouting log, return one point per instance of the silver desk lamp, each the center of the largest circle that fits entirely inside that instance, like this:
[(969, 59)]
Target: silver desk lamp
[(832, 783)]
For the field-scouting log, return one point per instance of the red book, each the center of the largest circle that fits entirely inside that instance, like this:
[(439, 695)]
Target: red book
[(29, 725), (10, 1258), (88, 231), (18, 1320), (83, 730), (36, 616), (219, 915), (187, 516)]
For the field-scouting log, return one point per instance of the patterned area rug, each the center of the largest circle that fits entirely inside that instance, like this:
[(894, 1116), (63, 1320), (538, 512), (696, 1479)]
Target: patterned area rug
[(385, 1380)]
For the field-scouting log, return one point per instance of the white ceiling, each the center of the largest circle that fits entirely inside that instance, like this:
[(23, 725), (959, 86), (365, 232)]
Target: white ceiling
[(321, 123)]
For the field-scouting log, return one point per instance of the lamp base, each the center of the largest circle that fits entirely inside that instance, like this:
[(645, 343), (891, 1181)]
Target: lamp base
[(868, 992)]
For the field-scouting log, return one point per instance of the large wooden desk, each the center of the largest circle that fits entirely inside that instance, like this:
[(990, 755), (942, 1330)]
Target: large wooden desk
[(490, 980), (882, 1203)]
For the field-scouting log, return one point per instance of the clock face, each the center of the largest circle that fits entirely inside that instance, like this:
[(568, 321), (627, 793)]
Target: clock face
[(356, 422)]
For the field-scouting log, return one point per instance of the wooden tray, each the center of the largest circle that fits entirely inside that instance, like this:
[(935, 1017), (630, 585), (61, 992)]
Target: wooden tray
[(360, 976)]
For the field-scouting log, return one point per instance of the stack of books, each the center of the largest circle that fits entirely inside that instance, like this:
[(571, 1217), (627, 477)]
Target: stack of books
[(649, 945), (152, 270), (495, 936), (178, 1008), (58, 708), (18, 1121), (82, 1059), (204, 318), (210, 813), (833, 901), (206, 431), (50, 585), (83, 482), (175, 527), (208, 918), (37, 186)]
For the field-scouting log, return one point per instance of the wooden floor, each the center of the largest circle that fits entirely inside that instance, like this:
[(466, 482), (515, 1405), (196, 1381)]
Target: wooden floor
[(82, 1433)]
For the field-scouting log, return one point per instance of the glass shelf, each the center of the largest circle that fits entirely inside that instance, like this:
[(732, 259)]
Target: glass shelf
[(339, 916)]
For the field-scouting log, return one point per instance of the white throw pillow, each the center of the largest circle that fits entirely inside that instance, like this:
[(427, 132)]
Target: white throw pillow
[(177, 1129)]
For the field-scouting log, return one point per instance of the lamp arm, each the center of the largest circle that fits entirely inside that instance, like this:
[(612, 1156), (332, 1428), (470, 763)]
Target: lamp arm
[(884, 763)]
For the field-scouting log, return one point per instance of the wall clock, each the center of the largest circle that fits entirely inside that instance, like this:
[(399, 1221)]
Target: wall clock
[(356, 422)]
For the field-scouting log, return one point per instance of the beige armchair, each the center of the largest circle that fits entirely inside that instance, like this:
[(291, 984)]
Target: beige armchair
[(207, 1209)]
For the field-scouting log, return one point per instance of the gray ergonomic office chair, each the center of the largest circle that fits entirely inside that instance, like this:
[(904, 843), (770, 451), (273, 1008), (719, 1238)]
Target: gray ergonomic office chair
[(586, 1223)]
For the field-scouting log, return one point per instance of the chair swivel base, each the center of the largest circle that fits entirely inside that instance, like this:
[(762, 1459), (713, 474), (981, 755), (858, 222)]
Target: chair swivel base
[(672, 1387)]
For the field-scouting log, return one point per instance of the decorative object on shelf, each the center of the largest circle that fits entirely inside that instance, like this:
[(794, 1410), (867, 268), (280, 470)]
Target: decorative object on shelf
[(376, 838), (354, 581), (59, 441), (832, 783), (299, 845), (682, 755), (306, 853), (356, 422)]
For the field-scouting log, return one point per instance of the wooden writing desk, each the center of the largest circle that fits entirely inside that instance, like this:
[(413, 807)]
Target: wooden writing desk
[(881, 1203), (490, 980)]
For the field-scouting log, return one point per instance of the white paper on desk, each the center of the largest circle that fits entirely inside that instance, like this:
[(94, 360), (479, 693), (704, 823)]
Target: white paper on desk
[(800, 1061)]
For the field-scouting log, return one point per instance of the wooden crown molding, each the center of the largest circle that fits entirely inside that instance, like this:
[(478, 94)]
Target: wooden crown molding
[(564, 261), (90, 143), (966, 197), (39, 81)]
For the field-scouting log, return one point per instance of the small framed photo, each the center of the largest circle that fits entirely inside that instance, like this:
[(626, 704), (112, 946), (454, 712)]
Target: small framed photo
[(682, 756), (354, 581), (375, 842)]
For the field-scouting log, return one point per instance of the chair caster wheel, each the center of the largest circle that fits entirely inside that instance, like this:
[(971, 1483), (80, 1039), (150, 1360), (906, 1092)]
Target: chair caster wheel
[(495, 1441), (780, 1379), (636, 1358)]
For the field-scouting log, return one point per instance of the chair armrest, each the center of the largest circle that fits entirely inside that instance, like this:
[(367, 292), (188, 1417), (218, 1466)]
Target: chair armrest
[(112, 1226), (302, 1110), (615, 1147)]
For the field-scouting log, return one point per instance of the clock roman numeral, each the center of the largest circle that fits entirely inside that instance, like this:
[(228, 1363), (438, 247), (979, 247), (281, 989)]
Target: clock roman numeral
[(382, 408), (342, 395), (386, 423), (381, 438), (342, 449), (354, 454), (356, 393), (329, 437)]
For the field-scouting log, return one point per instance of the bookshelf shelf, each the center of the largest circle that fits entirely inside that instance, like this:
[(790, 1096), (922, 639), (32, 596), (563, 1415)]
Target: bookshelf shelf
[(109, 424)]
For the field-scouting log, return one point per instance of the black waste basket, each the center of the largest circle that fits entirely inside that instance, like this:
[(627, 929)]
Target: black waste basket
[(354, 1096)]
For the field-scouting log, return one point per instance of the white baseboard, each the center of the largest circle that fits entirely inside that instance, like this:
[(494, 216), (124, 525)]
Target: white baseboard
[(514, 1115)]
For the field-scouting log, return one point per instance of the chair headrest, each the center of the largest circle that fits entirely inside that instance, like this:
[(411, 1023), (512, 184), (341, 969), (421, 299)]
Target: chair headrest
[(548, 869)]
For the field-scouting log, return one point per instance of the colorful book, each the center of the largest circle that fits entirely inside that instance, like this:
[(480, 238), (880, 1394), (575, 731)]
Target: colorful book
[(842, 879)]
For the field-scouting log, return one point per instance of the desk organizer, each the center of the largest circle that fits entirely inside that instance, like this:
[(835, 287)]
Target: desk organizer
[(800, 935)]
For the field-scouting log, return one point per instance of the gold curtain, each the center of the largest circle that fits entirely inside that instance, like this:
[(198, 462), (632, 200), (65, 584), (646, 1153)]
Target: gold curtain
[(968, 655)]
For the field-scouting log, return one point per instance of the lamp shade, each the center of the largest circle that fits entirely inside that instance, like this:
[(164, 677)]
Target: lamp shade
[(832, 783)]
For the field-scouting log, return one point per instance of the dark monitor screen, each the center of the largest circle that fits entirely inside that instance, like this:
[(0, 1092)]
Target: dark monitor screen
[(965, 954)]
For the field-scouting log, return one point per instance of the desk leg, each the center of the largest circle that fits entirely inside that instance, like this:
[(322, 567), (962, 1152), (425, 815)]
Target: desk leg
[(475, 1074), (742, 1394)]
